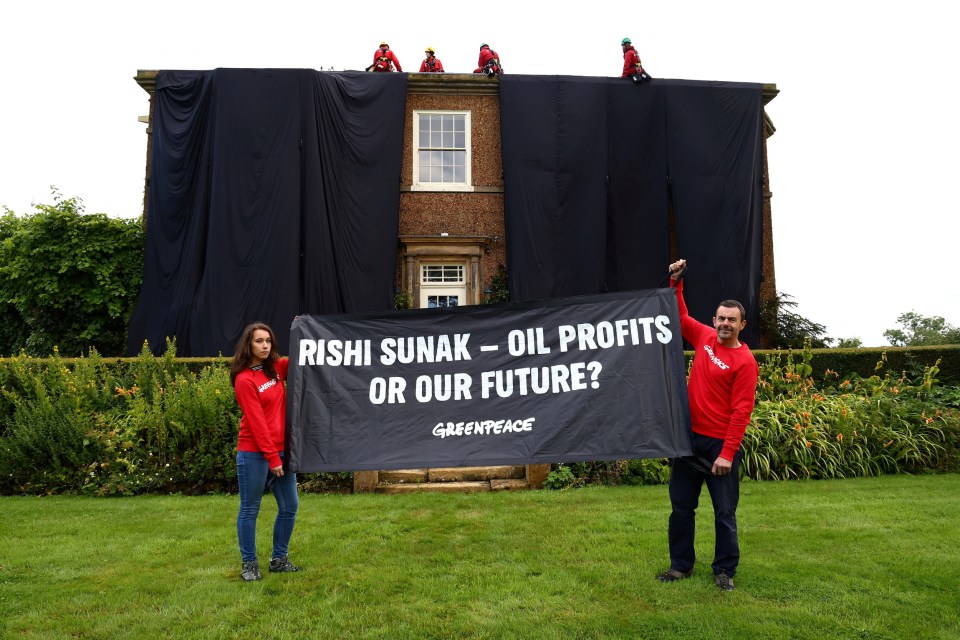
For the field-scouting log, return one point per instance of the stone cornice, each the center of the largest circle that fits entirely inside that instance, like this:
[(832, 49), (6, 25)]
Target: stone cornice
[(465, 84)]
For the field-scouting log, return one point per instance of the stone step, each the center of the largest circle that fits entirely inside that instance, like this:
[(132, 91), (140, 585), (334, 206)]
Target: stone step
[(509, 485), (465, 474), (434, 487), (403, 475), (452, 479)]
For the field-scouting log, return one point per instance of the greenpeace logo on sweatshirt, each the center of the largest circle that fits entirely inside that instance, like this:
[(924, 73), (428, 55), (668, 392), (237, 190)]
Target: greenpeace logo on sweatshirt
[(266, 385), (714, 359)]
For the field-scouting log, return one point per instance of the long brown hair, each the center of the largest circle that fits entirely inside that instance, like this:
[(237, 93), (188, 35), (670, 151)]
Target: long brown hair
[(243, 354)]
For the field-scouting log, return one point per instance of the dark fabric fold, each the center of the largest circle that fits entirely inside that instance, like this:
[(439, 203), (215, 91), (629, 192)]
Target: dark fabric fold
[(638, 241), (627, 150), (352, 153), (716, 165), (554, 135), (179, 191), (273, 192)]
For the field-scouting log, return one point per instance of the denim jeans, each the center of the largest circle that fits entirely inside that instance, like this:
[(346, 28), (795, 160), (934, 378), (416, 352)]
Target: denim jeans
[(686, 483), (252, 472)]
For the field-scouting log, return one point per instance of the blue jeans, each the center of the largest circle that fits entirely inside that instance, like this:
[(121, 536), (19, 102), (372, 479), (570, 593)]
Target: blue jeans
[(252, 472), (686, 482)]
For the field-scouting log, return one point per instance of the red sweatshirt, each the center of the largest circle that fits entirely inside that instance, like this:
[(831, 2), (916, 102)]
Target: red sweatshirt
[(631, 62), (264, 405), (431, 65), (385, 61), (486, 55), (723, 383)]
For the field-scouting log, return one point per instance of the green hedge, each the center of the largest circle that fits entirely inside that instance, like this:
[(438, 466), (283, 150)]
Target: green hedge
[(122, 426), (864, 362)]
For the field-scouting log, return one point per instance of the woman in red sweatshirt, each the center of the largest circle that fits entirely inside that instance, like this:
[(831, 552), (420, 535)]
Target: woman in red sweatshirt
[(258, 374)]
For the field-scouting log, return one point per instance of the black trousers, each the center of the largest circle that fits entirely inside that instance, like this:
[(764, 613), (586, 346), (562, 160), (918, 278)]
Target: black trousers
[(686, 483)]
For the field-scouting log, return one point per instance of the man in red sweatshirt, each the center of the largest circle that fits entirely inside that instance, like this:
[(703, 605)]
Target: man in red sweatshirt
[(721, 391), (384, 60), (489, 62), (632, 68)]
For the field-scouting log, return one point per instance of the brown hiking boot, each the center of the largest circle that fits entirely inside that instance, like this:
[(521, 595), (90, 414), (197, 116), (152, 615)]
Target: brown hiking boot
[(672, 575), (724, 582)]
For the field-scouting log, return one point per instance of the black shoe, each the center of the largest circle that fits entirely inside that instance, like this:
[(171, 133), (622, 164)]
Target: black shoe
[(724, 582), (672, 575), (250, 571), (282, 565)]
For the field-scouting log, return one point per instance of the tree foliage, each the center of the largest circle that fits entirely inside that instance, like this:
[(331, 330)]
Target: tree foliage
[(785, 329), (849, 343), (917, 330), (68, 279), (499, 290)]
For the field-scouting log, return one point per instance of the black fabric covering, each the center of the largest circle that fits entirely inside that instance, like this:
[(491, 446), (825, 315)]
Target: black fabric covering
[(273, 193), (590, 166), (553, 133)]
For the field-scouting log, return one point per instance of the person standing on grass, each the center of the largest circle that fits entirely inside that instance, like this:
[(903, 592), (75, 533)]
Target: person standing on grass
[(722, 390), (258, 374)]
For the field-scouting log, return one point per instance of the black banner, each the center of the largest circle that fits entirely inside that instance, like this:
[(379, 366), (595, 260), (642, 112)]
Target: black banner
[(573, 379)]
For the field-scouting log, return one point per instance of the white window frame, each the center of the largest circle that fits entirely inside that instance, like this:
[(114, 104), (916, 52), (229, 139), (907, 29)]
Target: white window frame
[(446, 285), (418, 185)]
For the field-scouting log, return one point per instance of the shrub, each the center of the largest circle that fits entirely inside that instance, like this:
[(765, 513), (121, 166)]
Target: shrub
[(49, 439), (850, 427), (887, 422), (167, 424), (68, 279)]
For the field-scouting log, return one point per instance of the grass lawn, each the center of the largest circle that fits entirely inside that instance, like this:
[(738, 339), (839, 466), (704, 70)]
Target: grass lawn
[(861, 558)]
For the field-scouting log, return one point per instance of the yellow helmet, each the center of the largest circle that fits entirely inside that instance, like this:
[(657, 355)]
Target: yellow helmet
[(384, 44), (429, 50)]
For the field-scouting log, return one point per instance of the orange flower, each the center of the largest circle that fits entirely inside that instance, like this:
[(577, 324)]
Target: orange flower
[(839, 437), (797, 427), (809, 444), (929, 420)]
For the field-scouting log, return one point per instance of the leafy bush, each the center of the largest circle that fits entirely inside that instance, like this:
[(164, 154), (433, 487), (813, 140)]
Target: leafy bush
[(560, 477), (853, 427), (167, 424), (862, 362), (888, 422), (499, 290), (49, 439), (147, 424), (68, 279)]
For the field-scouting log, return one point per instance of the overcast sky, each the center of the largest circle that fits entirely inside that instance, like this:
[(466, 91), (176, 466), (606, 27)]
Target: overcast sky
[(863, 165)]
